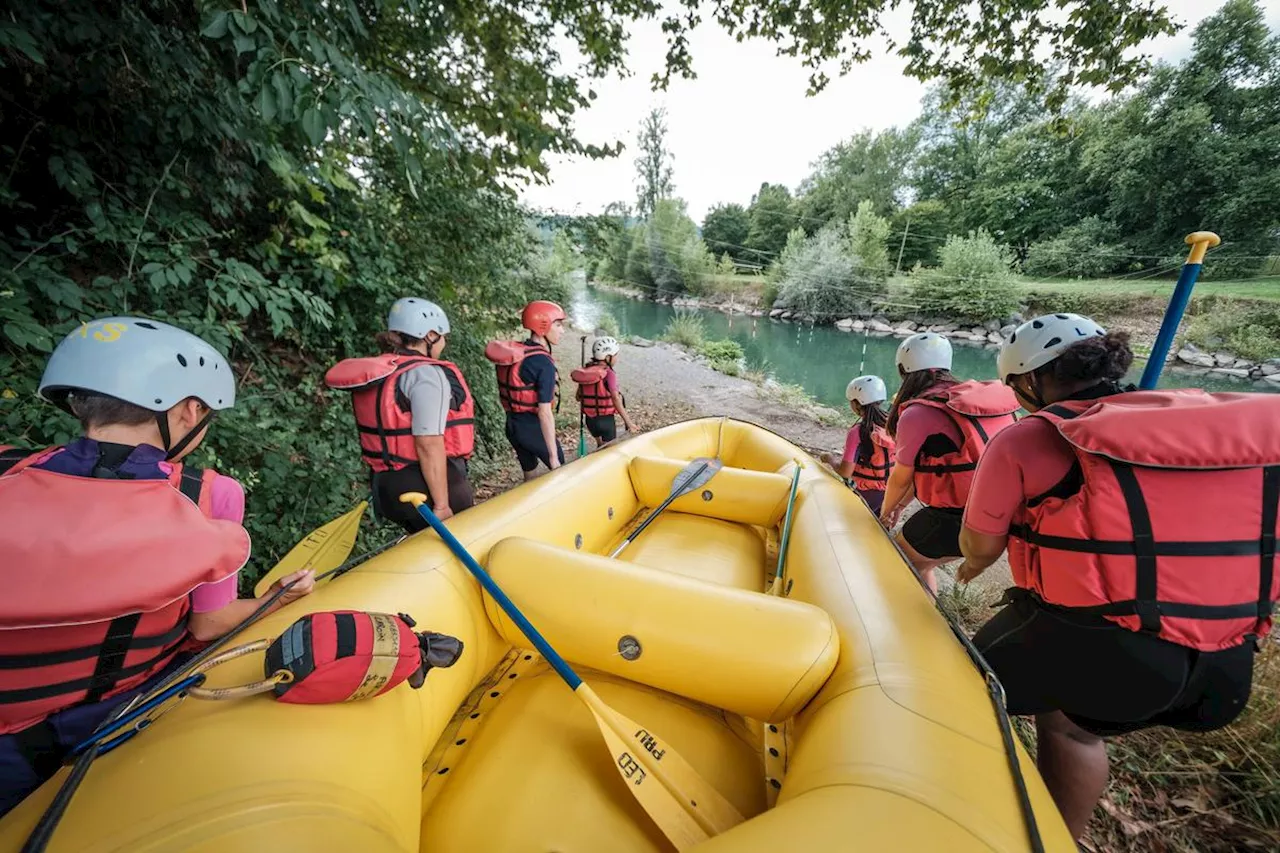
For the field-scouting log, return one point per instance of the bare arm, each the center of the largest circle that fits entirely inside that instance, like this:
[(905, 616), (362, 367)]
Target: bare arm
[(215, 623), (622, 410), (980, 550), (431, 458), (899, 492), (547, 420)]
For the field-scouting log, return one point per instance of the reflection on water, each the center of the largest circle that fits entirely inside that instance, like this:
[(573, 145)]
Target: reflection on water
[(822, 359)]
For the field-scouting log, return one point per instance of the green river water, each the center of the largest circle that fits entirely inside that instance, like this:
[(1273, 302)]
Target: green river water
[(822, 359)]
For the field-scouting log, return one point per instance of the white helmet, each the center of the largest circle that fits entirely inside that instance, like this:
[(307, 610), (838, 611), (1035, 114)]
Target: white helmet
[(1039, 341), (145, 362), (417, 317), (604, 347), (866, 390), (925, 351)]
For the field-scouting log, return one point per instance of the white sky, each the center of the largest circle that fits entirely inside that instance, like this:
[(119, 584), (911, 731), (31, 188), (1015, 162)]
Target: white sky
[(746, 119)]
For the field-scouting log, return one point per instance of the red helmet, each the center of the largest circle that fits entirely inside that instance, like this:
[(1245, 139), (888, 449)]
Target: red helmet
[(539, 315)]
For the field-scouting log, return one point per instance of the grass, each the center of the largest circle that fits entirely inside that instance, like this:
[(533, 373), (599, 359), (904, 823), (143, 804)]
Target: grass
[(686, 329), (1172, 791), (608, 324), (1263, 289)]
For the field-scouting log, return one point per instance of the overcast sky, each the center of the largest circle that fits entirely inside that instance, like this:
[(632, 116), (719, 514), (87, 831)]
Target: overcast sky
[(746, 119)]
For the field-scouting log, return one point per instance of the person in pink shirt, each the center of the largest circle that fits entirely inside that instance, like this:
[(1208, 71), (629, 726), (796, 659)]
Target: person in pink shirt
[(932, 535), (868, 448), (1075, 643), (168, 559)]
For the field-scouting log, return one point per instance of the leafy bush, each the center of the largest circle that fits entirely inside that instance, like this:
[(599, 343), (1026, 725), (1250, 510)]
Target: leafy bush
[(867, 236), (1251, 332), (820, 277), (225, 203), (725, 351), (678, 259), (608, 324), (1089, 249), (686, 329), (974, 282)]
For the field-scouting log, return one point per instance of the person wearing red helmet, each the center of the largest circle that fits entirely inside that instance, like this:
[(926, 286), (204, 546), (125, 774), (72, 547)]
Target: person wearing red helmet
[(529, 387)]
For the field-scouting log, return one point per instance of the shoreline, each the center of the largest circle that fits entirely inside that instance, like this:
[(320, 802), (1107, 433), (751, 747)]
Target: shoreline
[(1185, 358)]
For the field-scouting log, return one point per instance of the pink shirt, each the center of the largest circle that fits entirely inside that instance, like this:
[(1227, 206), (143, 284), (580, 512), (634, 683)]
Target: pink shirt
[(851, 442), (915, 425), (1021, 462), (226, 502), (610, 381)]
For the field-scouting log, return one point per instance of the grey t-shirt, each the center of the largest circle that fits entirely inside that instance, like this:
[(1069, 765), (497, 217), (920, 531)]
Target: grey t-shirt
[(427, 390)]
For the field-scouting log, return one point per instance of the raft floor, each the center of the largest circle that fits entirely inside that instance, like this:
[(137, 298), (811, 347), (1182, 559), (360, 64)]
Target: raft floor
[(536, 776)]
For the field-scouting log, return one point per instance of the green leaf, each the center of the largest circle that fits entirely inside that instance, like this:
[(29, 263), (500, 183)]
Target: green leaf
[(148, 269), (313, 125), (245, 44), (217, 28), (284, 95), (246, 23), (267, 103)]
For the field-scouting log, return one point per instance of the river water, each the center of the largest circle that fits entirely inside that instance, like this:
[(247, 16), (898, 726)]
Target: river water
[(822, 359)]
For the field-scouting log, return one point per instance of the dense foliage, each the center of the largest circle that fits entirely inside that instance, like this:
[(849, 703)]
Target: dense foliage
[(1095, 190), (973, 280), (836, 272)]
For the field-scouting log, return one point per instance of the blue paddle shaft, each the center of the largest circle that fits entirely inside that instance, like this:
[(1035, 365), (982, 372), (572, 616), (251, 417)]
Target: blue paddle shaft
[(1169, 326), (558, 663)]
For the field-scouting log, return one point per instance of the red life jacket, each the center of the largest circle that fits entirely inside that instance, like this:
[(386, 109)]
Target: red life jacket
[(943, 472), (1168, 522), (383, 416), (594, 394), (872, 472), (514, 395), (96, 575)]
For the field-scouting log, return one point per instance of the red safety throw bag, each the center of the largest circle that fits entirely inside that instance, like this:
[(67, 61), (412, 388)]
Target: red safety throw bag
[(345, 655)]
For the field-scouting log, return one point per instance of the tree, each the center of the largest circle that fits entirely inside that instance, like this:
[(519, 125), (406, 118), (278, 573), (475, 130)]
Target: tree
[(866, 166), (653, 164), (974, 282), (725, 229), (867, 235), (818, 276), (678, 260), (918, 232), (772, 214)]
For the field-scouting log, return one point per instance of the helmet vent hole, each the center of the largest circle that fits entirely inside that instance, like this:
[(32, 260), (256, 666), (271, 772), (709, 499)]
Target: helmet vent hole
[(182, 359), (144, 325), (159, 401), (1036, 324), (202, 361), (1053, 342), (1013, 337), (1063, 316)]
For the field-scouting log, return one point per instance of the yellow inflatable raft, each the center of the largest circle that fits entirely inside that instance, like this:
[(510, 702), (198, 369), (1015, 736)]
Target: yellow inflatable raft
[(842, 715)]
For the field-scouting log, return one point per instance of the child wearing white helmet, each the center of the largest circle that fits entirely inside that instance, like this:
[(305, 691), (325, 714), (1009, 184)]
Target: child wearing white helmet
[(1123, 514), (415, 415), (940, 426), (117, 555), (599, 394), (868, 448)]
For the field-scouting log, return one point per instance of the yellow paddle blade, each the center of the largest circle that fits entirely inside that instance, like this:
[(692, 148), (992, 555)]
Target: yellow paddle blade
[(685, 806), (324, 548)]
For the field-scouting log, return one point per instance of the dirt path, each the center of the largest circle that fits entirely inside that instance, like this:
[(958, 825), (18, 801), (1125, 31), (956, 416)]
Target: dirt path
[(663, 385)]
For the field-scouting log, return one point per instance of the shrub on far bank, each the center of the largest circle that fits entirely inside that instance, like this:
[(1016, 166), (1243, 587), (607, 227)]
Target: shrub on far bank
[(1247, 330), (1089, 249), (975, 280), (686, 329)]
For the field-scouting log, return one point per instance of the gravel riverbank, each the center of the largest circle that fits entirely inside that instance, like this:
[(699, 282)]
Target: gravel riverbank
[(664, 385)]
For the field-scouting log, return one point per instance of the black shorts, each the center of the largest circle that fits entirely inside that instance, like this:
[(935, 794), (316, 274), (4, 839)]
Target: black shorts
[(524, 431), (603, 428), (1107, 679), (388, 486), (934, 532)]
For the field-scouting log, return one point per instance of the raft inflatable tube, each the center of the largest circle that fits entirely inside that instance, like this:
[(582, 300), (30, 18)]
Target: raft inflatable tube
[(841, 716)]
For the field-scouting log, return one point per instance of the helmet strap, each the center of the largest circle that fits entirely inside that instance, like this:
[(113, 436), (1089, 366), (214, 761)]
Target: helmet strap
[(171, 452)]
